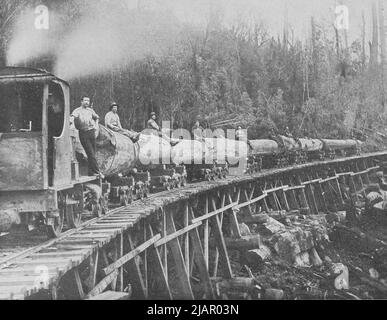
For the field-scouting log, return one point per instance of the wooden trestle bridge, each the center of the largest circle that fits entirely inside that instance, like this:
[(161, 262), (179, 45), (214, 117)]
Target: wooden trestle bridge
[(170, 245)]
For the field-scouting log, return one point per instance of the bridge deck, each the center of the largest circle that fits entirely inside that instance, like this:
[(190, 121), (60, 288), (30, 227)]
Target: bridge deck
[(43, 266)]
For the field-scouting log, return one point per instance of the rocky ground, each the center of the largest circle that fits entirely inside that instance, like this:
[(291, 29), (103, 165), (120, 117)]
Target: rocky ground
[(342, 255)]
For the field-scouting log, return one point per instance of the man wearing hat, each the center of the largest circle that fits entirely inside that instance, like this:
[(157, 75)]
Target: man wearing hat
[(152, 124), (112, 121)]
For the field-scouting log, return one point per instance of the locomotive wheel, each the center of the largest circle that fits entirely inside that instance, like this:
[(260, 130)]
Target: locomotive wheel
[(140, 193), (146, 192), (73, 214), (124, 199), (55, 229), (97, 210), (105, 202)]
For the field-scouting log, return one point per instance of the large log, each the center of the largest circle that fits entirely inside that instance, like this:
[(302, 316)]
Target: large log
[(236, 283), (190, 152), (361, 240), (374, 283), (222, 149), (115, 153), (257, 256), (311, 144), (333, 144), (256, 218), (289, 143), (244, 243), (264, 147), (273, 294), (153, 151)]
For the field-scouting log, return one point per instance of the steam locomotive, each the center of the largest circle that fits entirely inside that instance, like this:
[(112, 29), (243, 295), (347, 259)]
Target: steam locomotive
[(43, 170)]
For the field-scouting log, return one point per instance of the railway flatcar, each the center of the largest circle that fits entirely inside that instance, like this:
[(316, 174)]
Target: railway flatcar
[(292, 151), (227, 153), (196, 157), (41, 182), (263, 153)]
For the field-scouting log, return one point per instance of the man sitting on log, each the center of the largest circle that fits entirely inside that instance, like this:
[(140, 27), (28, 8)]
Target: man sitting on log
[(155, 129), (112, 121)]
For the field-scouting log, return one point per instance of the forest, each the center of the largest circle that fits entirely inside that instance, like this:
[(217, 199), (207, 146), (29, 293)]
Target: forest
[(241, 74)]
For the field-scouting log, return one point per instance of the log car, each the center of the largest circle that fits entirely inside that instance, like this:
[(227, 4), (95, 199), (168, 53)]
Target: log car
[(292, 151), (345, 147), (312, 149), (263, 154), (41, 182)]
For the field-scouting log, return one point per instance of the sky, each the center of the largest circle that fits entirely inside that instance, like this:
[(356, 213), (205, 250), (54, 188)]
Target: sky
[(271, 12), (118, 36)]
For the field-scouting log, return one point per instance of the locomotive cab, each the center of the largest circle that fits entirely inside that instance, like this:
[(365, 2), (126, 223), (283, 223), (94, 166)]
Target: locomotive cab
[(38, 180), (34, 145)]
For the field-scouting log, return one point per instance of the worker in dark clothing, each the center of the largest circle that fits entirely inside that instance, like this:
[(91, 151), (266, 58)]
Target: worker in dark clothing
[(240, 134), (197, 131), (152, 124), (85, 120), (288, 133)]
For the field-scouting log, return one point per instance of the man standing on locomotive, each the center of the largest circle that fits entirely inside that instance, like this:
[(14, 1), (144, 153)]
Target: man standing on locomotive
[(85, 120), (112, 121)]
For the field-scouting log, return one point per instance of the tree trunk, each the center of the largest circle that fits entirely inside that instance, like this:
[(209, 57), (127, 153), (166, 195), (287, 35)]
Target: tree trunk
[(375, 42)]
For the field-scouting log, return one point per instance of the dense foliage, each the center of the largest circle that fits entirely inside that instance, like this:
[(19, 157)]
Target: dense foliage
[(241, 74)]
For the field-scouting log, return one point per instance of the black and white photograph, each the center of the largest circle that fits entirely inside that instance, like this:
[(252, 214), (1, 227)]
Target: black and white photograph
[(220, 152)]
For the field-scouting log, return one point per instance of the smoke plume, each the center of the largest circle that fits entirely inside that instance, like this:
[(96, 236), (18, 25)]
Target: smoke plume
[(104, 36)]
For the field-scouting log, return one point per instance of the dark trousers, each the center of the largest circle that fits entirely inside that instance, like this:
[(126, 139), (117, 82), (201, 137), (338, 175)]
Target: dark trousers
[(87, 139)]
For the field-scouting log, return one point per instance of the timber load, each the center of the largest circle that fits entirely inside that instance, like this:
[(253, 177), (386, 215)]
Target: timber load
[(190, 152), (153, 151), (229, 150), (311, 145), (116, 153), (335, 144), (264, 147), (290, 144)]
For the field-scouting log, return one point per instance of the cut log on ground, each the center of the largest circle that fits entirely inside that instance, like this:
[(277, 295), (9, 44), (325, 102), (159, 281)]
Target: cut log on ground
[(111, 295), (364, 242), (315, 258), (244, 243), (273, 294), (237, 283), (376, 284), (257, 256), (256, 218)]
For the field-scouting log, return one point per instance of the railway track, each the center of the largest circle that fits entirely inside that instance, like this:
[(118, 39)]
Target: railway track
[(41, 266), (8, 259)]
